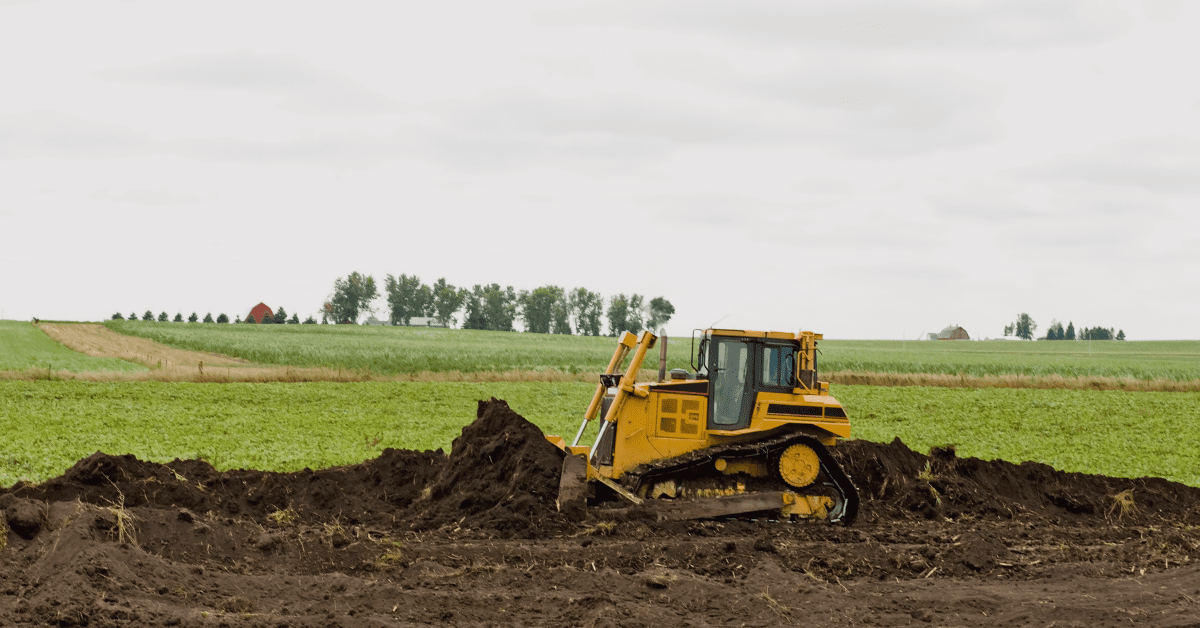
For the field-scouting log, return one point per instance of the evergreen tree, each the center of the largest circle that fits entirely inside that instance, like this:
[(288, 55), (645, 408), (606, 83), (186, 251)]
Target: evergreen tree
[(148, 316), (237, 319), (208, 317), (280, 316), (310, 321), (294, 320), (1070, 331), (1121, 335), (193, 318), (132, 316), (178, 317), (162, 318), (220, 319), (118, 317)]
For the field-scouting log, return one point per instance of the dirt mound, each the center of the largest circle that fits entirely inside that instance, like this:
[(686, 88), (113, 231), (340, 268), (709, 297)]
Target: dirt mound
[(895, 482), (406, 539), (502, 474), (369, 492)]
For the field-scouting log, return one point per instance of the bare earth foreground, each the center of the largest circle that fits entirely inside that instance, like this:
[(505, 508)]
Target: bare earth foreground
[(419, 538)]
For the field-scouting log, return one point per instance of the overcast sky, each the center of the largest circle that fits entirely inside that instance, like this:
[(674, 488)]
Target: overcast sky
[(861, 169)]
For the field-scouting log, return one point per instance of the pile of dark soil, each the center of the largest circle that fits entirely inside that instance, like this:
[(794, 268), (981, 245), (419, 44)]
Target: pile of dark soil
[(895, 482), (411, 538), (502, 474)]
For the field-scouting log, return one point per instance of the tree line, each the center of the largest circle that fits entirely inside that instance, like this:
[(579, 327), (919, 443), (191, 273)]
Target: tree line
[(280, 317), (1024, 327), (548, 309)]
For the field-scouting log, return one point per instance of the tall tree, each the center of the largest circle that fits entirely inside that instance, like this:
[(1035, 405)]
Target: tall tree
[(1070, 334), (351, 298), (1121, 335), (661, 311), (162, 318), (474, 316), (133, 316), (208, 318), (178, 317), (500, 307), (560, 314), (118, 317), (280, 316), (537, 308), (446, 301), (1025, 326), (618, 314), (588, 309), (637, 314), (193, 318), (310, 321), (148, 316), (1055, 331), (406, 298)]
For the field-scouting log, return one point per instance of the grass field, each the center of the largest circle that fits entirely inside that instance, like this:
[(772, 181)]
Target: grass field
[(392, 350), (45, 427), (1177, 360), (24, 347)]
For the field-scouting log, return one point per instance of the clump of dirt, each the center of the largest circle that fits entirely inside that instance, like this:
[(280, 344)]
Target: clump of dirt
[(895, 482), (502, 474)]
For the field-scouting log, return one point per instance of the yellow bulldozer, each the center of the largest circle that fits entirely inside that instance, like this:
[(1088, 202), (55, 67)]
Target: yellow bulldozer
[(745, 432)]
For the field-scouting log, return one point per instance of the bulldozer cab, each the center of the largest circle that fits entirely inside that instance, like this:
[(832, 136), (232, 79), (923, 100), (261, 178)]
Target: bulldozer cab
[(740, 364)]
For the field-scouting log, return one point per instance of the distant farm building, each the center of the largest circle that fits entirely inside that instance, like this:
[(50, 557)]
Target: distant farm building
[(953, 332), (258, 312), (424, 321)]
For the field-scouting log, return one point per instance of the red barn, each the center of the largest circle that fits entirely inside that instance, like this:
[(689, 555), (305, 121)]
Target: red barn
[(258, 312)]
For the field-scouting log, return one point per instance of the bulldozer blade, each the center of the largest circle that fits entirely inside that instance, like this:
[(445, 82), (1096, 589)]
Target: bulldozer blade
[(718, 506), (572, 486)]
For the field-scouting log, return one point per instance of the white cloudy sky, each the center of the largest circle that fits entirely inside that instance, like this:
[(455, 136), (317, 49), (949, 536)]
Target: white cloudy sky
[(862, 169)]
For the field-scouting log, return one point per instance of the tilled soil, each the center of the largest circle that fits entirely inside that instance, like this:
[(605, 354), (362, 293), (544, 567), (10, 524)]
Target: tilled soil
[(474, 538)]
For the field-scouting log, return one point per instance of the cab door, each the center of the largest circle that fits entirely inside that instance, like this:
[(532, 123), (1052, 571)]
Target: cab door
[(731, 395)]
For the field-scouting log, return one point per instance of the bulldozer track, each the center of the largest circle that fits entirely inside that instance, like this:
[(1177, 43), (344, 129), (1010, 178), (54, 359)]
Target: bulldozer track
[(687, 465)]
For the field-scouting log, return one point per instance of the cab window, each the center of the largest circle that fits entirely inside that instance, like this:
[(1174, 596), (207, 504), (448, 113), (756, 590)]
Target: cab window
[(779, 366)]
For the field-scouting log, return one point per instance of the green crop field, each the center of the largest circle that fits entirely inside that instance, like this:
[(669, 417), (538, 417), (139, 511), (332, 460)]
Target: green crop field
[(45, 427), (391, 350), (23, 346), (1174, 360)]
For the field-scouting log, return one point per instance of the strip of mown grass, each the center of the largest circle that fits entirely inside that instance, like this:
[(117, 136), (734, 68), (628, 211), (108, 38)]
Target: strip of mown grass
[(24, 347), (45, 427)]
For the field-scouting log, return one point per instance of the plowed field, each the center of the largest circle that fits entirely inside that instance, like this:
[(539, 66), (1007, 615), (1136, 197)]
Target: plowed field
[(474, 538)]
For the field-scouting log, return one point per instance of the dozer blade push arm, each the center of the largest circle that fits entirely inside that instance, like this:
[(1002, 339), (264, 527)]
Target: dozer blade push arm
[(628, 341), (625, 388)]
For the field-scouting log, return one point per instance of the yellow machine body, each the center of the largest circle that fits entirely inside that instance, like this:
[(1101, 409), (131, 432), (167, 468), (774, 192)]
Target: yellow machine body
[(750, 388)]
